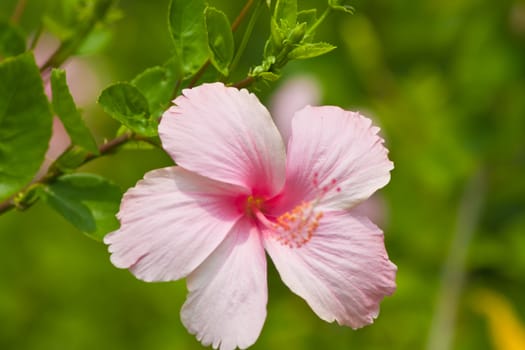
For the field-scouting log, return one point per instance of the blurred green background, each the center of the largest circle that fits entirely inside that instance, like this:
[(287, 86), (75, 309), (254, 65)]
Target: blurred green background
[(446, 82)]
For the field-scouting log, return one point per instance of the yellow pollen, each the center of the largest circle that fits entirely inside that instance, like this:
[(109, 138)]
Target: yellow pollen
[(253, 204), (296, 227)]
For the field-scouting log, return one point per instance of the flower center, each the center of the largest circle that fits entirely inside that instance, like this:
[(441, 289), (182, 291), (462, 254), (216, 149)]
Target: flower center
[(253, 204), (295, 227)]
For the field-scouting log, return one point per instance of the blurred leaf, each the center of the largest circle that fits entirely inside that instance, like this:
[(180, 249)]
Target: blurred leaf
[(65, 108), (89, 202), (339, 6), (220, 39), (157, 84), (95, 42), (188, 30), (12, 40), (25, 121), (285, 13), (65, 19), (309, 50), (125, 103)]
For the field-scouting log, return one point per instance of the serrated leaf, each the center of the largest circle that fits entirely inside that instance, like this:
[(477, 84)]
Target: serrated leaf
[(286, 13), (309, 50), (220, 39), (125, 103), (89, 202), (12, 41), (65, 108), (25, 123), (157, 85), (339, 6), (188, 31)]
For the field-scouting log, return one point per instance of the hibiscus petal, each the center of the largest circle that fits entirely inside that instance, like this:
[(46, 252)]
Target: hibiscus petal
[(170, 222), (226, 305), (227, 135), (334, 155), (343, 272)]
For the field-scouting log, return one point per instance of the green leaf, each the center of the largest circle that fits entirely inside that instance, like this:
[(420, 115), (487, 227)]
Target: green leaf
[(339, 6), (12, 40), (286, 13), (125, 103), (308, 50), (65, 108), (25, 123), (188, 31), (220, 40), (307, 16), (89, 202), (71, 159), (157, 85)]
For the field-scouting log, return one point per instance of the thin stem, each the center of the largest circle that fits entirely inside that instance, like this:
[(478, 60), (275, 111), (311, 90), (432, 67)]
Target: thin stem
[(19, 10), (454, 269), (245, 82), (318, 22), (199, 74), (234, 27), (6, 206), (241, 15), (246, 36), (54, 173), (36, 37)]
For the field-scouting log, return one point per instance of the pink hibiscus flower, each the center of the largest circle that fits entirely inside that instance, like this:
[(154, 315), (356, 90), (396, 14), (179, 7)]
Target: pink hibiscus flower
[(236, 192)]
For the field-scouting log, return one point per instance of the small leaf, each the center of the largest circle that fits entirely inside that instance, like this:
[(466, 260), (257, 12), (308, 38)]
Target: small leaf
[(89, 202), (71, 159), (307, 16), (286, 13), (125, 103), (339, 6), (12, 41), (188, 31), (220, 39), (25, 123), (269, 76), (308, 50), (65, 108), (157, 85)]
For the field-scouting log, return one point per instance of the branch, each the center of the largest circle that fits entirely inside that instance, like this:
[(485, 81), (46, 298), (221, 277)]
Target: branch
[(54, 173)]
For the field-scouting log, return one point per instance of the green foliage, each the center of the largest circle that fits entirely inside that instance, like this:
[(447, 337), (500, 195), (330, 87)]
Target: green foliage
[(25, 123), (65, 108), (89, 202), (308, 50), (12, 40), (220, 40), (285, 13), (340, 6), (188, 30), (125, 103), (157, 85)]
